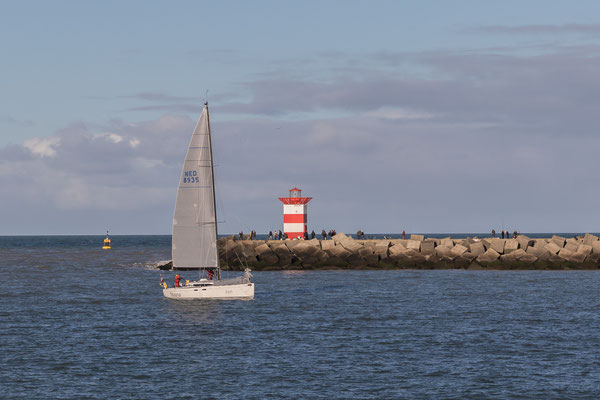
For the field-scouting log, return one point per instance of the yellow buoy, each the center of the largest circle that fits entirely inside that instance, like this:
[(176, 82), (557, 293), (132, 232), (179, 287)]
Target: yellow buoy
[(106, 242)]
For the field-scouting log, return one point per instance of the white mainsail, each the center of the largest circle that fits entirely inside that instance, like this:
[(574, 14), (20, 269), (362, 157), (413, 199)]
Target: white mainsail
[(194, 243)]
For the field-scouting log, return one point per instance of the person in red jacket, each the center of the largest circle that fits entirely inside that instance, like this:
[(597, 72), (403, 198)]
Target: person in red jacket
[(177, 280)]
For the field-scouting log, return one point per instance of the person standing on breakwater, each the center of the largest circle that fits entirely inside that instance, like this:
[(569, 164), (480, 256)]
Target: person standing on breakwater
[(493, 233), (502, 233), (280, 235), (313, 234), (403, 234), (270, 235), (324, 234)]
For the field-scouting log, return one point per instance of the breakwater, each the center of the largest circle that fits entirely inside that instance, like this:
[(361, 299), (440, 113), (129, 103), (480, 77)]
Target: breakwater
[(344, 252)]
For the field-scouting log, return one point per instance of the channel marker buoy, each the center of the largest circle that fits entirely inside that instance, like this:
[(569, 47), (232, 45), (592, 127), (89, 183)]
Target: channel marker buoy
[(106, 242)]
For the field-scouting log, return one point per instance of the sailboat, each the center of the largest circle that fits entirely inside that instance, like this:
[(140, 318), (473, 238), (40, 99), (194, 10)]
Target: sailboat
[(194, 242)]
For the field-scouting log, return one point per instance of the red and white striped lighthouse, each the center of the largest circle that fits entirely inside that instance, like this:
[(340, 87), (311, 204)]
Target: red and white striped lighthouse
[(294, 214)]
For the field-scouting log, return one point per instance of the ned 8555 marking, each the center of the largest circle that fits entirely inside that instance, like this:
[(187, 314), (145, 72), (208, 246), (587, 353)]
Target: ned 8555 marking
[(190, 177)]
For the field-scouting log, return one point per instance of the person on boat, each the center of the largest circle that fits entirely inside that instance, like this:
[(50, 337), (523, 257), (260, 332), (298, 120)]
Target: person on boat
[(210, 273), (177, 280)]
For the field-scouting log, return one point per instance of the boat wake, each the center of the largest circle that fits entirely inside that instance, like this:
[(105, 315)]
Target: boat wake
[(153, 265)]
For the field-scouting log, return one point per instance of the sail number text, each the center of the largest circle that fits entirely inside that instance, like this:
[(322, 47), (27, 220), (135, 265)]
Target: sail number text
[(190, 177)]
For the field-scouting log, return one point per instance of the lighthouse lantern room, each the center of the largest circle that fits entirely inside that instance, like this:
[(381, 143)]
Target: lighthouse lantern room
[(294, 214)]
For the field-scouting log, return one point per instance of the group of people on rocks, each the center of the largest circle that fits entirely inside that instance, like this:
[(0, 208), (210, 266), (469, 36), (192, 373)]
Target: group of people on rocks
[(505, 234), (252, 235), (277, 235), (312, 235), (331, 234)]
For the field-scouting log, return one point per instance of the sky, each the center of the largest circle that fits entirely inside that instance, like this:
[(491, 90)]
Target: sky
[(426, 116)]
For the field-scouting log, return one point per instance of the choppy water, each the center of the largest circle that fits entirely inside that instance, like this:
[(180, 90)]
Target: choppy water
[(78, 322)]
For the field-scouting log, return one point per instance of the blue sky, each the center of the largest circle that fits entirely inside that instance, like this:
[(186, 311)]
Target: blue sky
[(425, 116)]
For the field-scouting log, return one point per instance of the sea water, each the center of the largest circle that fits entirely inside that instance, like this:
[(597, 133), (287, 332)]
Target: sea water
[(78, 322)]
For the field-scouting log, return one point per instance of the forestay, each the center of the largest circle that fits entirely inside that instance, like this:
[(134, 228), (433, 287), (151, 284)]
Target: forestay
[(194, 243)]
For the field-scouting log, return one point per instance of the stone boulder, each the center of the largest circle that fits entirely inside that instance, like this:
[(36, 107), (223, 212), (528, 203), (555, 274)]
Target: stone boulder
[(349, 244), (553, 248), (266, 255), (283, 253), (513, 256), (524, 242), (565, 254), (381, 249), (489, 256), (559, 241), (339, 252), (462, 262), (445, 253), (413, 245), (572, 245), (538, 252), (497, 245), (458, 250), (593, 258), (305, 249), (427, 247), (419, 238), (588, 239), (448, 242), (469, 256), (584, 249), (510, 245), (397, 250), (403, 242), (477, 248), (327, 244), (365, 252)]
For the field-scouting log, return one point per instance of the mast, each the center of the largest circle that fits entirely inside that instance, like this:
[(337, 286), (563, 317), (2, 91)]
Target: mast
[(214, 196)]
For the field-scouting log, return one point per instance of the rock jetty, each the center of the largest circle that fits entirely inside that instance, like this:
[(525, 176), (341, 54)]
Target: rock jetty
[(344, 252)]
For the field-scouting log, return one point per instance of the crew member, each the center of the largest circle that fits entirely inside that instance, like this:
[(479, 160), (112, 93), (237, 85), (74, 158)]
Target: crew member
[(210, 274), (177, 280)]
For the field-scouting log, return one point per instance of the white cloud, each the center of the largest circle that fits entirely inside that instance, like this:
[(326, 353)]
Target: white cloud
[(44, 147), (398, 114)]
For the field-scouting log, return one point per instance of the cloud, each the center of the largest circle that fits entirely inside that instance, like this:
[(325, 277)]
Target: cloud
[(460, 141), (114, 167), (586, 29), (551, 92), (45, 147), (14, 121), (159, 97)]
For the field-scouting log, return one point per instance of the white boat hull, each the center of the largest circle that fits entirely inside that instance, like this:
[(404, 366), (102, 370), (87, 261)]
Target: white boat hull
[(244, 291)]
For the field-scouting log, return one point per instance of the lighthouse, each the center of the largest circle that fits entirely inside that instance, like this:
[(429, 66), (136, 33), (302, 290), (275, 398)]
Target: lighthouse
[(294, 213)]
